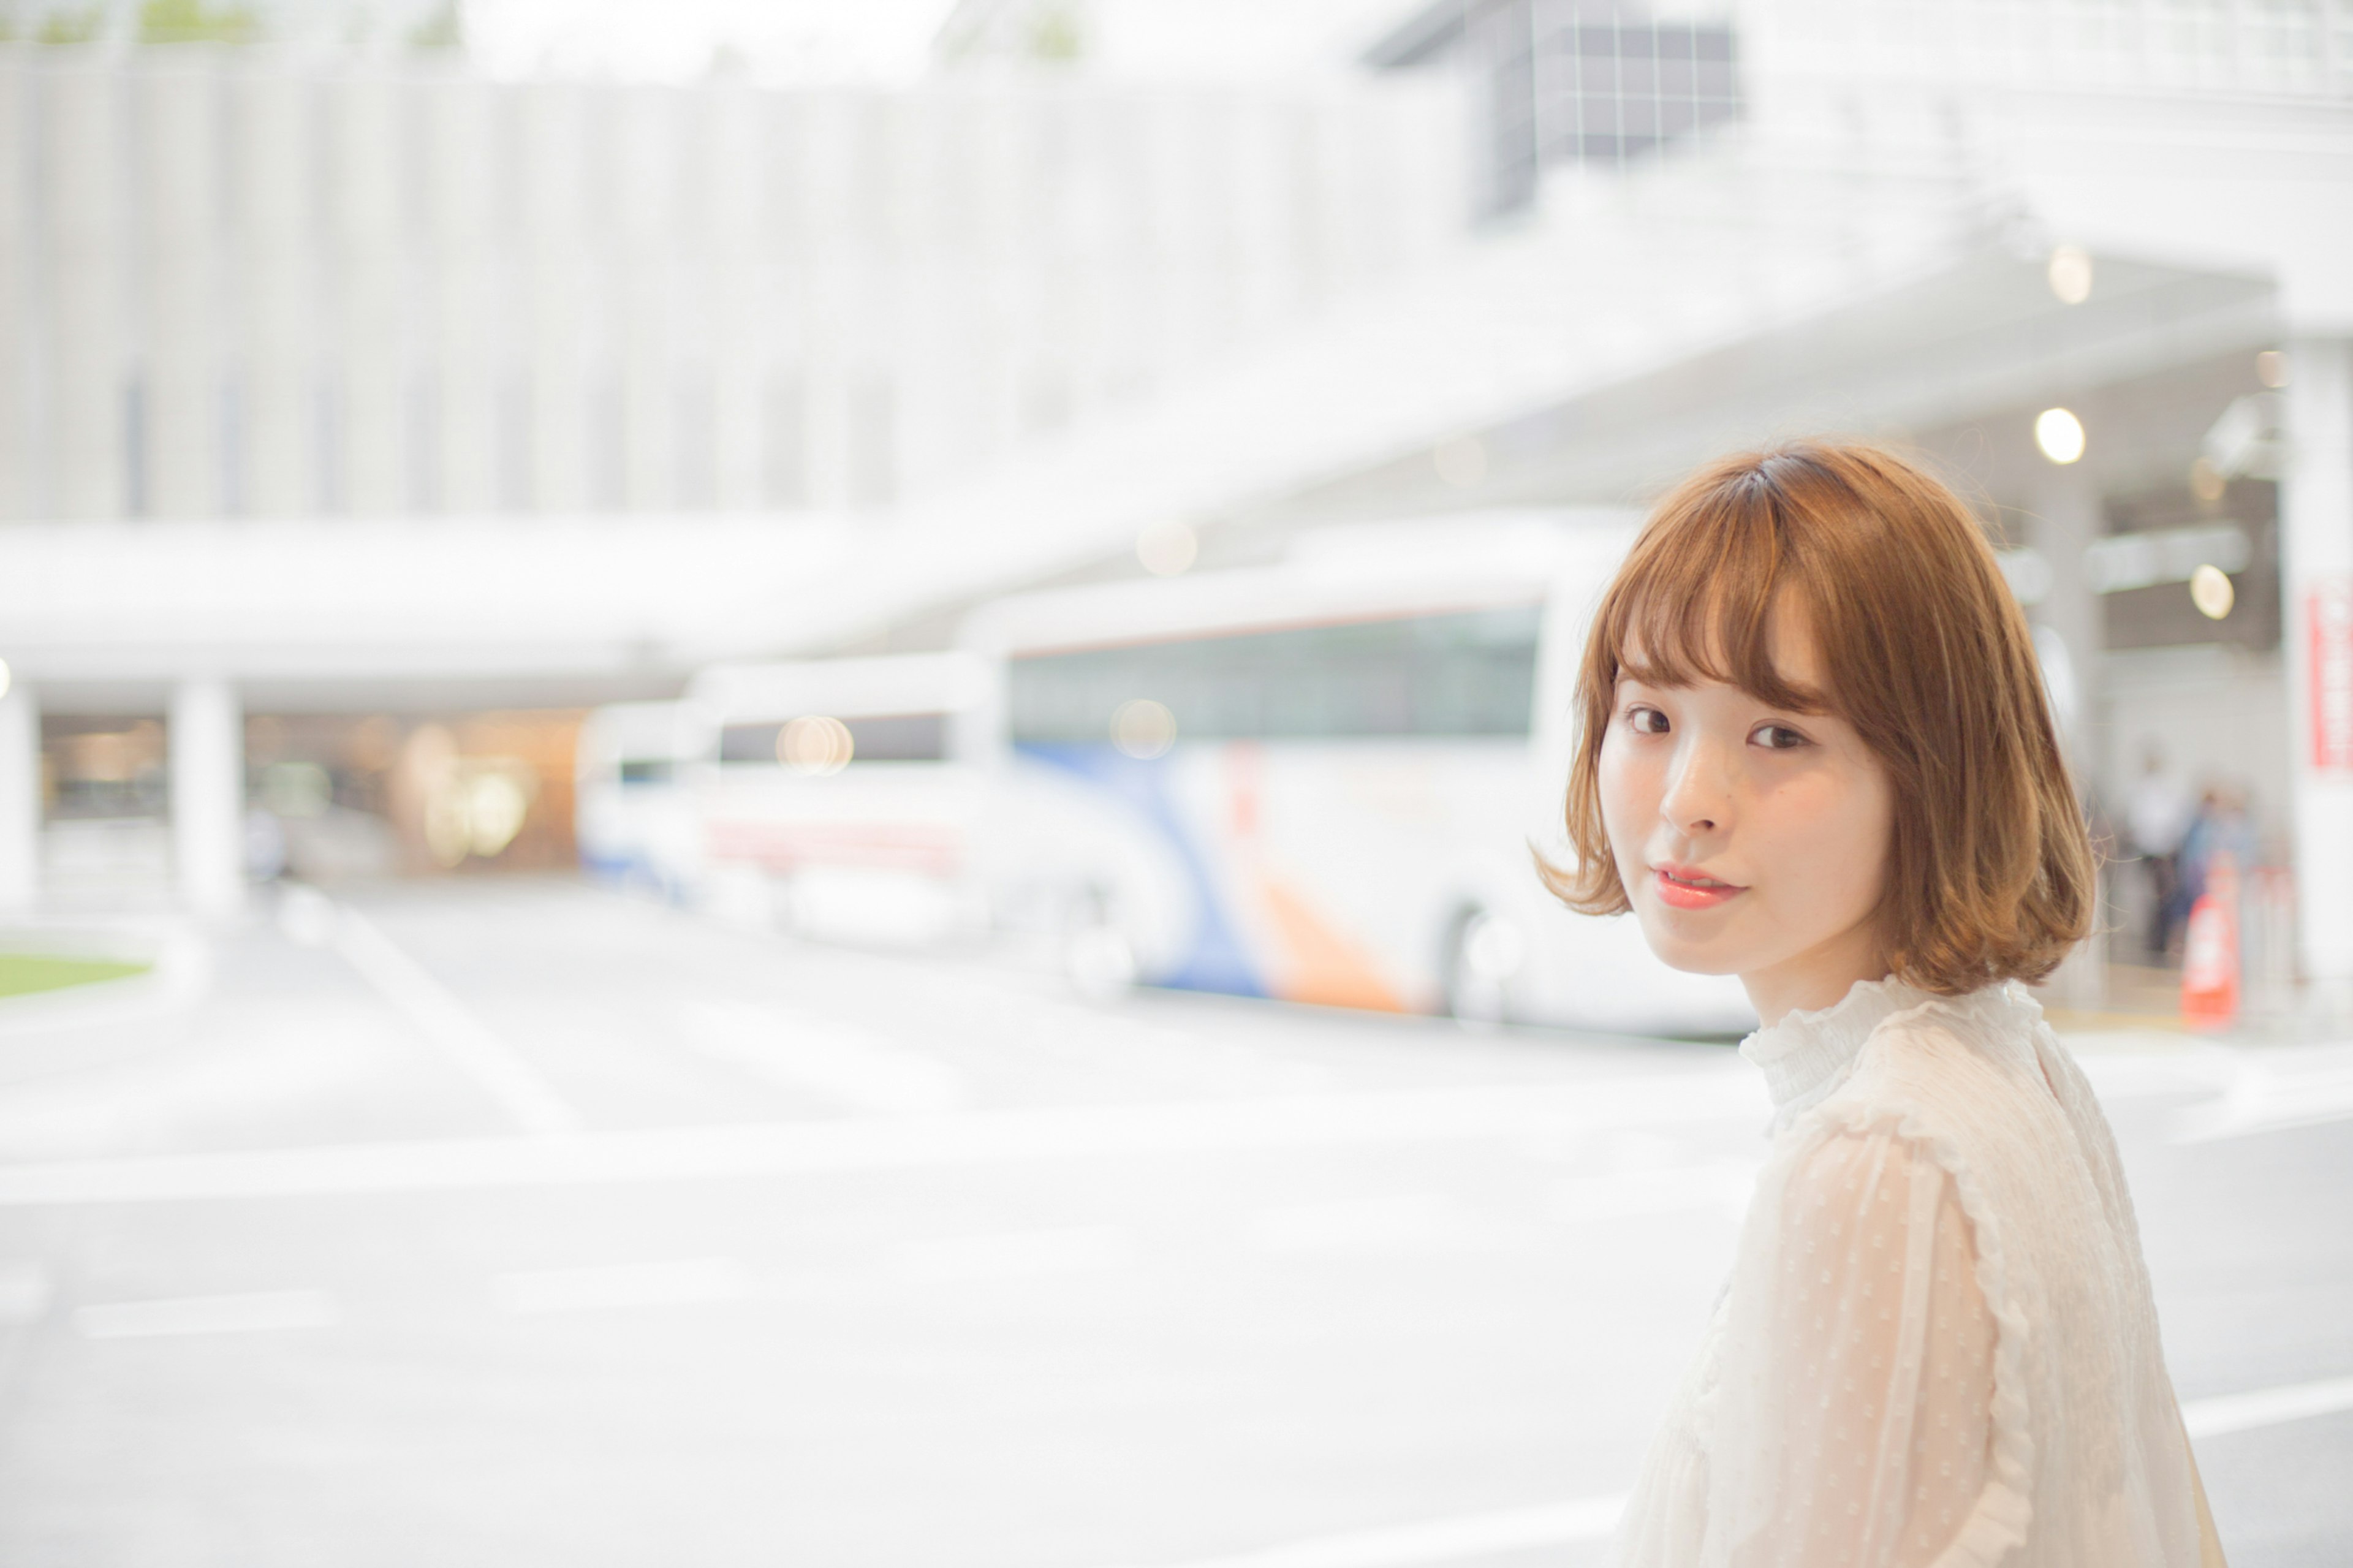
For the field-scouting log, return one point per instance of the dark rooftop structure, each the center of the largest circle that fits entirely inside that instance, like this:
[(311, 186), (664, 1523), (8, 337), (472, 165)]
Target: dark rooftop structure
[(1559, 82)]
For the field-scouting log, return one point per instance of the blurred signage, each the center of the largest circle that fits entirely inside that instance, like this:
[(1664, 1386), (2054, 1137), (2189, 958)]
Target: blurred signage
[(2329, 614)]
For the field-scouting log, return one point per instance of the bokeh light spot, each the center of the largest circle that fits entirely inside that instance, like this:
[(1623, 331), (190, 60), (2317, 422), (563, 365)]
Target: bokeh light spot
[(815, 745), (1143, 728), (1167, 549), (2070, 274), (2210, 590), (2060, 435), (2206, 482)]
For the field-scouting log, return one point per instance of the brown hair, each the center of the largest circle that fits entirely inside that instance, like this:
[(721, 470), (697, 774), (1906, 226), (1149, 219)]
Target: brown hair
[(1990, 874)]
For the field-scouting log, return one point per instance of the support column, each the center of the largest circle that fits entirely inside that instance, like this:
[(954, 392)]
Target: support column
[(2317, 580), (20, 798), (2063, 522), (207, 748)]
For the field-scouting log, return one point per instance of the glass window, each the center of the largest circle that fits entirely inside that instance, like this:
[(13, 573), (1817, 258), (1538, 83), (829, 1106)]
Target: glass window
[(899, 738), (887, 738), (1469, 673)]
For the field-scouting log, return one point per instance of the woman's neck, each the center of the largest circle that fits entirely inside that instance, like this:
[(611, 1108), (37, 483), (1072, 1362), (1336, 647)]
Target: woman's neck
[(1817, 978)]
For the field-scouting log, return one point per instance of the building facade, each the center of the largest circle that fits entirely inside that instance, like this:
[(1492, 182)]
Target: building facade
[(367, 387), (236, 285)]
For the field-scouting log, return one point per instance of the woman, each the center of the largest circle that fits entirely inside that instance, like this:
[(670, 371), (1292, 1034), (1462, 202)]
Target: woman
[(1815, 753)]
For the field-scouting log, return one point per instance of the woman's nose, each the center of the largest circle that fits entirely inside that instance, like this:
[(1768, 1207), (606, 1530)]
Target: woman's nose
[(1699, 794)]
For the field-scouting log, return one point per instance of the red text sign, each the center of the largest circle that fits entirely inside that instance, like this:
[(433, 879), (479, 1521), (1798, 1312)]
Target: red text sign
[(2329, 612)]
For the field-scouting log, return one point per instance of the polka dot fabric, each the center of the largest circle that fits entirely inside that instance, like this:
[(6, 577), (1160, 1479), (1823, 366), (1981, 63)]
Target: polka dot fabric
[(1937, 1346)]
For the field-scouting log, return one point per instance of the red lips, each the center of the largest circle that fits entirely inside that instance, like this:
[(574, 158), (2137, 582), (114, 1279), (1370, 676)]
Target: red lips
[(1675, 886)]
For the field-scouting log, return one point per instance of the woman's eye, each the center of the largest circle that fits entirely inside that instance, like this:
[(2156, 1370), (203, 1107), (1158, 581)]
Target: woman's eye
[(1647, 721), (1778, 737)]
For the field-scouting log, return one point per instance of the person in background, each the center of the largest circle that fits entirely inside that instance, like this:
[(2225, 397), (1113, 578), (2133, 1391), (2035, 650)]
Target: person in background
[(2156, 816), (2220, 826)]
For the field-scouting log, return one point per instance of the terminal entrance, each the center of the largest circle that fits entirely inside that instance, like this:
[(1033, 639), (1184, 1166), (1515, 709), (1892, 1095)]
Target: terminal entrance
[(325, 798)]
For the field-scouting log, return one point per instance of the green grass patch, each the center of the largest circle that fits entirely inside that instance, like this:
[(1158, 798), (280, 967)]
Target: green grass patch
[(24, 973)]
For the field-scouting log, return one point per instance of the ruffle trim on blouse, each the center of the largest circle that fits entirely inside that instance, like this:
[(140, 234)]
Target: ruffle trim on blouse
[(1808, 1055), (1804, 1056), (1998, 1523)]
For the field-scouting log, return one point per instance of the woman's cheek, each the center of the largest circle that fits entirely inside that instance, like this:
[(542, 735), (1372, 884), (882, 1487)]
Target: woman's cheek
[(1837, 832), (1877, 853), (1621, 798)]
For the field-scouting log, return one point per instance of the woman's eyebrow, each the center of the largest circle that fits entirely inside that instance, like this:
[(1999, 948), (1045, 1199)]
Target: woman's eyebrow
[(1808, 701)]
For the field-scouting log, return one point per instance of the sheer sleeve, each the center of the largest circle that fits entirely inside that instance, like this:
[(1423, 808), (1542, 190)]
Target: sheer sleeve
[(1859, 1365)]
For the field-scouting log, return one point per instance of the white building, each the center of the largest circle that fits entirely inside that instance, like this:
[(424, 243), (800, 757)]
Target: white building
[(1003, 359), (365, 387)]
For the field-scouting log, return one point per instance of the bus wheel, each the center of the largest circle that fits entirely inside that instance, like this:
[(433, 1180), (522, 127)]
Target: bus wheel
[(1096, 957), (1483, 953)]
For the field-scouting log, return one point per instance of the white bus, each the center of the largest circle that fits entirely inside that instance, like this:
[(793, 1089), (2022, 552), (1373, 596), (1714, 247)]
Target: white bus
[(1320, 780), (632, 817), (819, 794)]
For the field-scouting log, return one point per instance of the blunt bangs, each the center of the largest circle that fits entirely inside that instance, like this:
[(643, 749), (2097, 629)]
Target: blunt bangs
[(1697, 602)]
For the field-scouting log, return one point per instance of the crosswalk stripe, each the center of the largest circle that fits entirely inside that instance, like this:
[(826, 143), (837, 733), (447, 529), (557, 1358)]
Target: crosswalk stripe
[(2266, 1406), (471, 1045)]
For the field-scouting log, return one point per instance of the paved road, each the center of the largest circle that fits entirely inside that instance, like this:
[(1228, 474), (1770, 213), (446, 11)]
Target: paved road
[(513, 1223)]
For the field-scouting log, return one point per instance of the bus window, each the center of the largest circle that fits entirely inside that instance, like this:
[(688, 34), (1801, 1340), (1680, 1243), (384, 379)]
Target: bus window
[(899, 738), (646, 769), (1467, 673), (883, 738), (748, 742)]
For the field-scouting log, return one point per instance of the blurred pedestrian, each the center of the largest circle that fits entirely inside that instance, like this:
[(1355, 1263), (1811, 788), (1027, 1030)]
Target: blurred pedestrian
[(2220, 826), (1815, 753), (2156, 817), (265, 846)]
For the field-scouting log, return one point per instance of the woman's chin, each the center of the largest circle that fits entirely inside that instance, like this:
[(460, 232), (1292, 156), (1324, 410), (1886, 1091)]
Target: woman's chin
[(1679, 950)]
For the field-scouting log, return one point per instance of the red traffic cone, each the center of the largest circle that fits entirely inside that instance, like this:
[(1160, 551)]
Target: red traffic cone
[(2210, 959)]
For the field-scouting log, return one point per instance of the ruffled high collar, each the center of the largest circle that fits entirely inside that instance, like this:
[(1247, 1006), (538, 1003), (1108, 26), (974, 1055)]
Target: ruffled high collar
[(1805, 1054)]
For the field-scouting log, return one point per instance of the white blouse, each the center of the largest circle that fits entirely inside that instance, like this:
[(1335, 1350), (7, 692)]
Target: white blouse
[(1937, 1345)]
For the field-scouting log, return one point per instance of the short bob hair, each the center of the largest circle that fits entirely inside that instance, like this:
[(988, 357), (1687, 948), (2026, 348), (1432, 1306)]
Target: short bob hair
[(1991, 871)]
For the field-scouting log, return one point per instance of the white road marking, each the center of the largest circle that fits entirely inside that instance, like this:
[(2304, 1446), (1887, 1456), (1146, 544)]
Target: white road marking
[(676, 1282), (2266, 1406), (995, 1137), (472, 1046), (1077, 1249), (1438, 1541), (838, 1061), (2274, 1089), (241, 1314)]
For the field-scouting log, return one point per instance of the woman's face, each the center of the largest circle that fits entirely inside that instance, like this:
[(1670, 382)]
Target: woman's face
[(1752, 840)]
